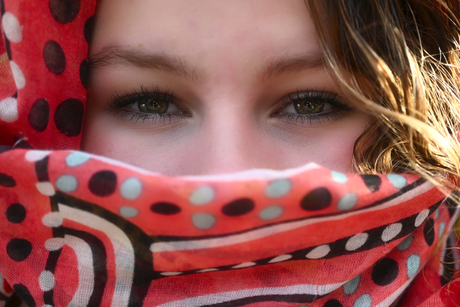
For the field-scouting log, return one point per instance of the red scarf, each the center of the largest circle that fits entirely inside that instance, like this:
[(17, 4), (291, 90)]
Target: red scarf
[(82, 230)]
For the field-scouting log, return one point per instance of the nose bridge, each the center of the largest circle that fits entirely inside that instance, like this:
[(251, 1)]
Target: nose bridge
[(229, 136)]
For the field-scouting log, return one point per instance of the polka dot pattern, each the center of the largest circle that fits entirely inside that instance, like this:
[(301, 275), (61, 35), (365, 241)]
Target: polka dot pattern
[(67, 183), (363, 301), (52, 219), (202, 196), (103, 183), (25, 295), (238, 207), (397, 181), (18, 76), (271, 213), (46, 281), (9, 110), (319, 252), (46, 188), (76, 159), (339, 177), (128, 212), (348, 201), (18, 249), (203, 221), (333, 303), (131, 188), (351, 286), (69, 117), (64, 11), (421, 217), (413, 264), (405, 243), (35, 155), (16, 213), (7, 181), (317, 199), (54, 57), (385, 271), (165, 208), (54, 244), (278, 188), (373, 182), (84, 73), (356, 241), (39, 115), (88, 29), (12, 28), (391, 232), (280, 258)]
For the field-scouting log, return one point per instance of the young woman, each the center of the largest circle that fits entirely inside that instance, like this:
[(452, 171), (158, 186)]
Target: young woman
[(204, 117)]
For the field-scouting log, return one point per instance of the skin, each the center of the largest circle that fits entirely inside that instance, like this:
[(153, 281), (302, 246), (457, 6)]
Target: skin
[(230, 102)]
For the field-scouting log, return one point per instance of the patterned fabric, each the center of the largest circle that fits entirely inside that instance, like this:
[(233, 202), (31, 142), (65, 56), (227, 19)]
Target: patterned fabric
[(83, 230)]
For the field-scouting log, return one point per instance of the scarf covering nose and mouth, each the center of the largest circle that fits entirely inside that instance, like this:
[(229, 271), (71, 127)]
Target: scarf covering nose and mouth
[(82, 230)]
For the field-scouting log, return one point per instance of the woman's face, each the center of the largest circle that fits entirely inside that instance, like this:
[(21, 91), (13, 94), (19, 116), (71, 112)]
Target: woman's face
[(205, 87)]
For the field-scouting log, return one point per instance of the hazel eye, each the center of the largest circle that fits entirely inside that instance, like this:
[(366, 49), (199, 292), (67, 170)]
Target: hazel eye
[(309, 107), (152, 105)]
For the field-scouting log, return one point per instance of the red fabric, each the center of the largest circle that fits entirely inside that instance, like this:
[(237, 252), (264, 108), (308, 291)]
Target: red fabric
[(82, 230)]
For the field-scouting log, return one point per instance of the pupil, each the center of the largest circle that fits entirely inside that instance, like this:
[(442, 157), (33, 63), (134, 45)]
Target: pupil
[(308, 107), (153, 106)]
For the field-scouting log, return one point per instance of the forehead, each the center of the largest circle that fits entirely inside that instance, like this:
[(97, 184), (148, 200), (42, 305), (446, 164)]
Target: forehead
[(267, 28)]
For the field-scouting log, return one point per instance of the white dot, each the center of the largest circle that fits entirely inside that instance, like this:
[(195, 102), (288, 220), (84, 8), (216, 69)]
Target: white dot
[(52, 219), (244, 265), (131, 188), (36, 155), (207, 270), (12, 28), (280, 258), (9, 110), (46, 188), (397, 181), (356, 241), (421, 217), (128, 212), (54, 244), (170, 273), (67, 183), (46, 281), (271, 213), (17, 75), (391, 231), (202, 196), (278, 188), (348, 201), (319, 252), (203, 220), (339, 177)]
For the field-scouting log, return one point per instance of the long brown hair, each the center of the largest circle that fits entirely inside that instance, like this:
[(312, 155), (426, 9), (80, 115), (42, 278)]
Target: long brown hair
[(403, 58)]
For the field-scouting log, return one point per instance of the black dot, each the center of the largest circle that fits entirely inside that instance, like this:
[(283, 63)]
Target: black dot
[(64, 11), (238, 207), (165, 208), (373, 182), (24, 294), (7, 181), (69, 117), (103, 183), (88, 30), (18, 249), (54, 57), (317, 199), (385, 271), (333, 303), (16, 213), (428, 231), (39, 115), (84, 76)]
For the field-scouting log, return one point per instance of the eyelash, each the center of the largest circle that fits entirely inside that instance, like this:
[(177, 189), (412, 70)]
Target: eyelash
[(118, 105), (332, 99)]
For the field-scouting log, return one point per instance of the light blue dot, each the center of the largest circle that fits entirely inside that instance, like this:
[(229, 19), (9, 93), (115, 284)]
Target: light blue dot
[(128, 212), (442, 226), (339, 177), (397, 181), (278, 188), (404, 244), (202, 196), (363, 301), (271, 213), (76, 158), (348, 201), (436, 214), (203, 220), (67, 183), (413, 263), (350, 286), (131, 188)]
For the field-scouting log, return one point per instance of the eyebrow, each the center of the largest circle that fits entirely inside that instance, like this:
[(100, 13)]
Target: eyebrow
[(116, 55)]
